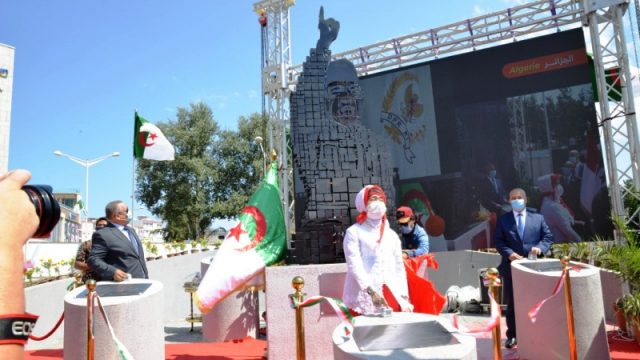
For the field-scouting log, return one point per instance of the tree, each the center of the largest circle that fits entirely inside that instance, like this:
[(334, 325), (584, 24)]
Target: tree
[(213, 174), (239, 160)]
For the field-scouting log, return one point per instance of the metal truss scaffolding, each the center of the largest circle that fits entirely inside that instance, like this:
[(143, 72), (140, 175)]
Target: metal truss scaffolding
[(536, 18), (617, 117), (276, 62)]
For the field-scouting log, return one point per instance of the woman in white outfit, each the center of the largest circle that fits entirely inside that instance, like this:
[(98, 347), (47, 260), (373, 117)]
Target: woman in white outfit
[(375, 269), (556, 213)]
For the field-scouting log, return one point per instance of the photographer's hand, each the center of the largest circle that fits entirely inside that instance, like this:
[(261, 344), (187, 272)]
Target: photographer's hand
[(18, 221)]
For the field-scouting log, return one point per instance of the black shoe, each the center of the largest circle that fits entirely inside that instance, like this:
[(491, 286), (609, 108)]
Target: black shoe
[(511, 342)]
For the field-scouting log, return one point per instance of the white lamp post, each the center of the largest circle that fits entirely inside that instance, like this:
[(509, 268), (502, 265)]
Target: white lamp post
[(87, 164), (259, 141)]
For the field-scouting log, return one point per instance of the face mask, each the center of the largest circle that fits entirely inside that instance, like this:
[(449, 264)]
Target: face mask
[(559, 191), (492, 173), (573, 159), (517, 205), (376, 209), (406, 229)]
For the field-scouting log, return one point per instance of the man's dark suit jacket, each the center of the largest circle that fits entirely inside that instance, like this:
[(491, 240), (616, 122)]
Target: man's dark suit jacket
[(491, 198), (536, 233), (112, 250)]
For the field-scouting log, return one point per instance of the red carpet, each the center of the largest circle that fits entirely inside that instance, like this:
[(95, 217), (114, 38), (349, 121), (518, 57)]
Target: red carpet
[(247, 349), (250, 349), (621, 349)]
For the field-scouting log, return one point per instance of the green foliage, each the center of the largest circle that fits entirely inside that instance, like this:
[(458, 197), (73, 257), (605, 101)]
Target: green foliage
[(212, 176)]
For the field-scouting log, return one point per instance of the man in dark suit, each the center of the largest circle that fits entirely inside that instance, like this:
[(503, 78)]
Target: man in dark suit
[(518, 233), (490, 189), (116, 250)]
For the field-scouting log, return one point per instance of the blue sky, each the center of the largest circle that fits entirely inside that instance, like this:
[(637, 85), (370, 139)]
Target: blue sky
[(83, 67)]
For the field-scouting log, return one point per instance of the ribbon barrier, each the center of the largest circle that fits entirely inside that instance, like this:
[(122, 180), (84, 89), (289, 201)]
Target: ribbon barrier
[(44, 337), (565, 279), (494, 320), (122, 350), (298, 283), (338, 306), (92, 299)]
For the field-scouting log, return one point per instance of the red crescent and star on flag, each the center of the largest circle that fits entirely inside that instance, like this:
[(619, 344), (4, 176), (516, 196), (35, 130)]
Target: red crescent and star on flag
[(261, 227), (144, 142)]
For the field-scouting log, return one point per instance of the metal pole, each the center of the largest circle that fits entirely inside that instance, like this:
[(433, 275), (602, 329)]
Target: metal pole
[(569, 307), (298, 284), (492, 276), (86, 188), (91, 286)]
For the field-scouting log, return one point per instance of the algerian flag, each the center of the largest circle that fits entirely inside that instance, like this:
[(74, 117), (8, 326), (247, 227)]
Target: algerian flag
[(149, 142), (258, 240)]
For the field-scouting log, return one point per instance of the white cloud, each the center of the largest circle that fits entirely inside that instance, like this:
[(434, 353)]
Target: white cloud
[(477, 10), (252, 94)]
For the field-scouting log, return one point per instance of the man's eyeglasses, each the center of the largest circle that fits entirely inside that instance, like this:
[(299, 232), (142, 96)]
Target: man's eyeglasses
[(405, 225)]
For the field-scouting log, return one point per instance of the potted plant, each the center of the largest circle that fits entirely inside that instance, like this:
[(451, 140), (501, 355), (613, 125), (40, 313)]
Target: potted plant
[(630, 304), (204, 244), (217, 243)]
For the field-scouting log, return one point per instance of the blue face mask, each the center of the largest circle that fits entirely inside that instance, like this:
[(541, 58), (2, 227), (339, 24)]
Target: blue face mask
[(492, 173), (517, 205)]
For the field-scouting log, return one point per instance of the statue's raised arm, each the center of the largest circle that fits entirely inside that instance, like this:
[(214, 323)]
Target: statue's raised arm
[(328, 31)]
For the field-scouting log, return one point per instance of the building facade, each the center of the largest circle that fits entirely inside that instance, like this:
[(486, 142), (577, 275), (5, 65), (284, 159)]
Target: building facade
[(6, 91)]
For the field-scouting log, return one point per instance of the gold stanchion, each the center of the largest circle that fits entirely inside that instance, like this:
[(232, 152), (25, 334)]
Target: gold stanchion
[(298, 284), (493, 278), (91, 287), (569, 307)]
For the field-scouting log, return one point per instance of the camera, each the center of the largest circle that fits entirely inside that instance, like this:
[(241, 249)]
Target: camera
[(47, 208)]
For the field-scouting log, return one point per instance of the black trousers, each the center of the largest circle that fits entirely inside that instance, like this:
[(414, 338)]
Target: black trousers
[(507, 293)]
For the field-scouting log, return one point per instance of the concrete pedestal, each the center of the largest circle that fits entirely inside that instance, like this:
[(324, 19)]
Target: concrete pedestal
[(235, 317), (137, 321), (547, 338), (434, 338)]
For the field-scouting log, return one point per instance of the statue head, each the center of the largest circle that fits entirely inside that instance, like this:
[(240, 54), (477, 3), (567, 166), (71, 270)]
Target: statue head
[(344, 95)]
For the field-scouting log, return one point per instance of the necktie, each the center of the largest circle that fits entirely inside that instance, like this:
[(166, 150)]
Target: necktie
[(520, 226), (132, 238)]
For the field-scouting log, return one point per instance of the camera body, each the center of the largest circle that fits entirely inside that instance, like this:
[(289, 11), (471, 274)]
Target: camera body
[(47, 208)]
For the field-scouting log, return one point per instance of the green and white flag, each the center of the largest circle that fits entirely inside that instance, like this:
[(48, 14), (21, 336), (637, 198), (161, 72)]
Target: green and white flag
[(258, 240), (149, 142)]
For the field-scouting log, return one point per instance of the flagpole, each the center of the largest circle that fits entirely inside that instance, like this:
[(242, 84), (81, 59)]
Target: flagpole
[(133, 189), (133, 170)]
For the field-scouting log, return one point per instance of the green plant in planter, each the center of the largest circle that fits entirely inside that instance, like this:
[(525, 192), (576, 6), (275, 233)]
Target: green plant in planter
[(561, 250), (204, 243), (217, 243), (48, 264), (182, 245), (630, 305)]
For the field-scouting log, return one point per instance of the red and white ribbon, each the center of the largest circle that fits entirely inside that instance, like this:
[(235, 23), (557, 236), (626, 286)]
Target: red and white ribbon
[(494, 320), (533, 313), (338, 306)]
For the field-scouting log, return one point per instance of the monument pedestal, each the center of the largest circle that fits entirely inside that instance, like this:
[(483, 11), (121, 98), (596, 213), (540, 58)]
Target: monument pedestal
[(235, 317), (134, 309), (547, 338), (403, 336)]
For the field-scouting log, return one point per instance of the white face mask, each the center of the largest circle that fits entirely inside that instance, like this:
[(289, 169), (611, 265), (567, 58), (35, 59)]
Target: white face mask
[(376, 210), (407, 229), (559, 191)]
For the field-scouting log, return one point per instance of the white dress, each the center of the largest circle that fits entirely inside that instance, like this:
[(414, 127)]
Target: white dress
[(373, 264)]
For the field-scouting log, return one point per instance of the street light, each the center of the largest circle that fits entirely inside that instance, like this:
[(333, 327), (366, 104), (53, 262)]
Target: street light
[(259, 141), (87, 164)]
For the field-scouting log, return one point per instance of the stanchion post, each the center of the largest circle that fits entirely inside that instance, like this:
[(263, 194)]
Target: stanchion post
[(569, 307), (298, 283), (91, 287), (493, 278)]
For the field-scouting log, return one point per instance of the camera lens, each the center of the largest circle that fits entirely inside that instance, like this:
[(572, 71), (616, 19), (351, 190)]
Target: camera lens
[(47, 208)]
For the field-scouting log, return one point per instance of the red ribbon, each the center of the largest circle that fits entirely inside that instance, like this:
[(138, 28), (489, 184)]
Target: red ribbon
[(489, 326), (533, 313)]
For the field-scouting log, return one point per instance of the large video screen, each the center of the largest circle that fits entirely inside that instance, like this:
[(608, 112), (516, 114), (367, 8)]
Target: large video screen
[(465, 130)]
